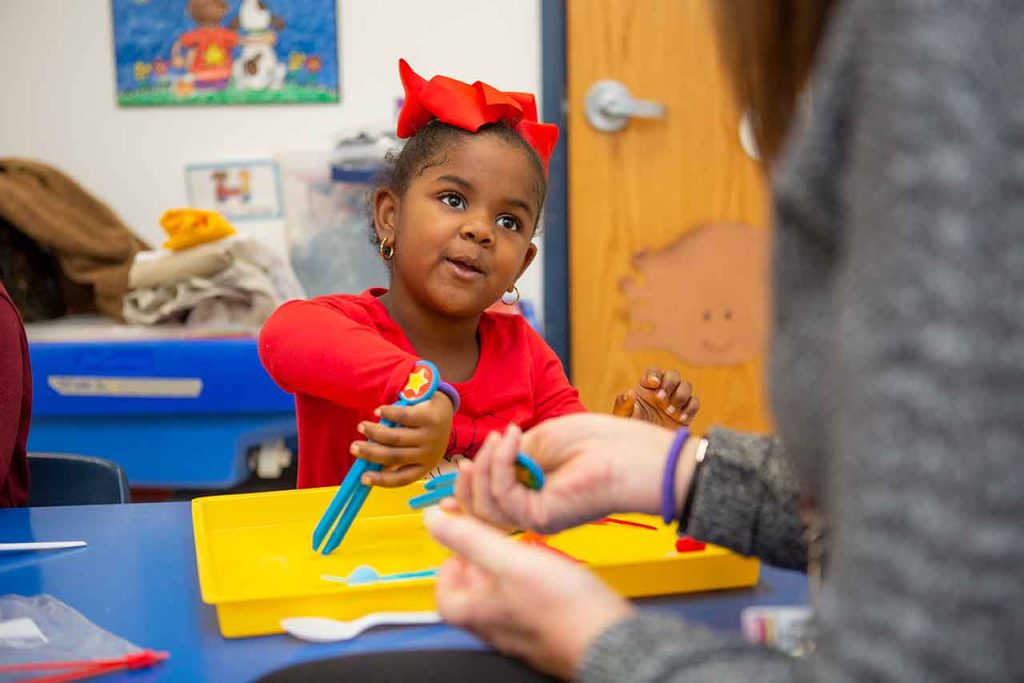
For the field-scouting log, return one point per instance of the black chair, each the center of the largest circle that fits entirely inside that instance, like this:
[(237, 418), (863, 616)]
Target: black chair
[(60, 479)]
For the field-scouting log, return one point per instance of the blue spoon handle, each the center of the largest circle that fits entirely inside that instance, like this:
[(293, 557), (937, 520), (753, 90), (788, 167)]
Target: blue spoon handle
[(529, 473), (430, 497), (439, 482)]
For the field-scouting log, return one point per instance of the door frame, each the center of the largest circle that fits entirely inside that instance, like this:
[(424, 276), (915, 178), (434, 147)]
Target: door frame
[(556, 213)]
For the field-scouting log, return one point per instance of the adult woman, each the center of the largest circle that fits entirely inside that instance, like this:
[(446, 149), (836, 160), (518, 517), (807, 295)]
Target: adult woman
[(899, 208)]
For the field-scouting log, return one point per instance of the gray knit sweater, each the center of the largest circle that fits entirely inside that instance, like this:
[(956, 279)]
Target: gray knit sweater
[(898, 367)]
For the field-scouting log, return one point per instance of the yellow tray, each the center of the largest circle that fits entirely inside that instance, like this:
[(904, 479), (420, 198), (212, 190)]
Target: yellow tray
[(256, 564)]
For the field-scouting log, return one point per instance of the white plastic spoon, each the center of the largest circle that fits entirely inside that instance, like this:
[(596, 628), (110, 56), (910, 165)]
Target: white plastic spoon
[(327, 630)]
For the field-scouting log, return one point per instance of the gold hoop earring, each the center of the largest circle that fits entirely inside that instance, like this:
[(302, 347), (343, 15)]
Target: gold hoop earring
[(514, 301), (387, 251)]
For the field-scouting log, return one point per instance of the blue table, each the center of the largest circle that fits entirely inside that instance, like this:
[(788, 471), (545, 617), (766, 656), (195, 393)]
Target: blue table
[(137, 579)]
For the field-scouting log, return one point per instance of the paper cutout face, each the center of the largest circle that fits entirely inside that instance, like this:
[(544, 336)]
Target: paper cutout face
[(703, 297)]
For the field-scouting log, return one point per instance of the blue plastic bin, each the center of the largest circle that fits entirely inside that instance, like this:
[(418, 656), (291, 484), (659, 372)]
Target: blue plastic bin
[(173, 413)]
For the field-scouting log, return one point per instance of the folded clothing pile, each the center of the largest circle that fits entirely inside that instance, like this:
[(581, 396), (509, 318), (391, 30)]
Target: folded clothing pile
[(208, 278)]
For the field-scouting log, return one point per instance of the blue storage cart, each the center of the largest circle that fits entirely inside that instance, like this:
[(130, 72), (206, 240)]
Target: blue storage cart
[(175, 413)]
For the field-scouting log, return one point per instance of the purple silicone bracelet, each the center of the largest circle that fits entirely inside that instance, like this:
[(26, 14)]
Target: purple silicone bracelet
[(668, 482), (450, 391)]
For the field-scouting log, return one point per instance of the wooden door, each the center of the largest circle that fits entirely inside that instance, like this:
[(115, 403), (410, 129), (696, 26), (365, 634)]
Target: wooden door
[(667, 217)]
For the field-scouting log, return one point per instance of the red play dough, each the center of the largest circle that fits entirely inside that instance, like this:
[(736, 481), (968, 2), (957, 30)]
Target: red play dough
[(685, 544)]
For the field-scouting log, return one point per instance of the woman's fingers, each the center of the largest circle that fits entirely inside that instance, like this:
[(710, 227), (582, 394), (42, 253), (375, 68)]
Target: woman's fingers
[(503, 480), (464, 483), (524, 600), (483, 501), (485, 483), (455, 598), (479, 543), (467, 596)]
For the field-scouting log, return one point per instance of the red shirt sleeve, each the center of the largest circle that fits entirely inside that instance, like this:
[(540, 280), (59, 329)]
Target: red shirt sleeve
[(190, 39), (553, 394), (15, 406), (330, 348)]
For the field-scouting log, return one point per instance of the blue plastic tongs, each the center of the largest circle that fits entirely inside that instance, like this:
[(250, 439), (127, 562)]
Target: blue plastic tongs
[(352, 493)]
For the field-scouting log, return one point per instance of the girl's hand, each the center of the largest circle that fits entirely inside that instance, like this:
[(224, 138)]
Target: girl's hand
[(594, 465), (527, 602), (661, 398), (412, 448)]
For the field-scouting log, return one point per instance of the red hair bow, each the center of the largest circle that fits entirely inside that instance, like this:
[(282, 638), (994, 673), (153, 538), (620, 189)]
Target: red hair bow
[(470, 107)]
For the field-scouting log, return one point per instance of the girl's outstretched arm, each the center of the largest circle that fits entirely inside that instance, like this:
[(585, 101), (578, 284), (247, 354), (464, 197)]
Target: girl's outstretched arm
[(323, 349)]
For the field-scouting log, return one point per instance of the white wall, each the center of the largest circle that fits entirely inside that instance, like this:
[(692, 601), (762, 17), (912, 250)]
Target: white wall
[(59, 106)]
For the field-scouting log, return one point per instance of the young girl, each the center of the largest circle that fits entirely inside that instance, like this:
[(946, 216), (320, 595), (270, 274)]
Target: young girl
[(454, 220)]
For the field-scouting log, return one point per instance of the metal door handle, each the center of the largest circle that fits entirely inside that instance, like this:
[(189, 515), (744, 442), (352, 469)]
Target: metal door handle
[(610, 106)]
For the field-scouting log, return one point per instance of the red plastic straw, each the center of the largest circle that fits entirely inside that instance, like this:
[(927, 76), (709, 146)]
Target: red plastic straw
[(86, 667), (625, 522)]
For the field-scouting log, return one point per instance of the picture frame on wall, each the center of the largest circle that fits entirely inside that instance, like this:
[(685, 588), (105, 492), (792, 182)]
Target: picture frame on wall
[(238, 190), (223, 52)]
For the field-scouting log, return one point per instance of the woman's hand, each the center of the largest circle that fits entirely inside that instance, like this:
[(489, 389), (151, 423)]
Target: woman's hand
[(526, 601), (411, 448), (661, 398), (594, 465)]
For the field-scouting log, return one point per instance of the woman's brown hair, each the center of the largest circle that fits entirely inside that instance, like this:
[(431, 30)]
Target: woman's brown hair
[(768, 48)]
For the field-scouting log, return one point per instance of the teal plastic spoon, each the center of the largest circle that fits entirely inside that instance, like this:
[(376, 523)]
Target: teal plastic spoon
[(364, 574)]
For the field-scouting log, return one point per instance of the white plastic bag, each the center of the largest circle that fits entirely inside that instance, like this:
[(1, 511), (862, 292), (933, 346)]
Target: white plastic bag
[(326, 219), (44, 629)]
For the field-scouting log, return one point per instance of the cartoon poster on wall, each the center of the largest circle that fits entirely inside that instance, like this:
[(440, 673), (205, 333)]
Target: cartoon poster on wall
[(209, 52), (239, 190)]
